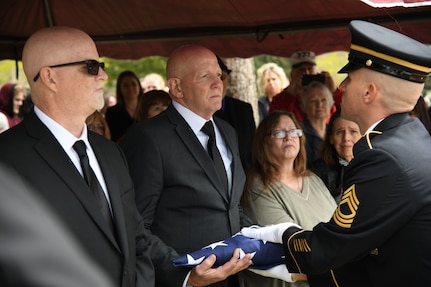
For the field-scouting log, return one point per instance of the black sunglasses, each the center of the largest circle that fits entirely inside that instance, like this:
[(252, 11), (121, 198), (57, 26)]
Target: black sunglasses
[(92, 67)]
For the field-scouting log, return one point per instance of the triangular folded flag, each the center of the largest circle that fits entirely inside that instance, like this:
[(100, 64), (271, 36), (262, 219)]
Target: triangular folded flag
[(265, 254)]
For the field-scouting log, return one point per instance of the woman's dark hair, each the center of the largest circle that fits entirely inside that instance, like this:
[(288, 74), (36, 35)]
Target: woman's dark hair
[(421, 112), (120, 97), (147, 100), (327, 151)]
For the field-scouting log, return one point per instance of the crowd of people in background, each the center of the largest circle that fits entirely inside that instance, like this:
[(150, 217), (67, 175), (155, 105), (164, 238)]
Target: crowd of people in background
[(287, 165), (128, 105), (13, 105)]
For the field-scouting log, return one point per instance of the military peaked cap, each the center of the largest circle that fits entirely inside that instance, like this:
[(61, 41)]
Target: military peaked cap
[(386, 51)]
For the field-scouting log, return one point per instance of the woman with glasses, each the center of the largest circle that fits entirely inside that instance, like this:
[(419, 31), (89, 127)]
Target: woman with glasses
[(279, 188)]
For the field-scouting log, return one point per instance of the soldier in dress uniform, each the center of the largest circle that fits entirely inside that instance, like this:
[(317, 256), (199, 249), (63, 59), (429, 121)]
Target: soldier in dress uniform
[(380, 231)]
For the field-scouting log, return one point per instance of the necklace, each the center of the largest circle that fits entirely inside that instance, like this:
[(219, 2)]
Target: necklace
[(293, 184), (299, 190), (305, 192)]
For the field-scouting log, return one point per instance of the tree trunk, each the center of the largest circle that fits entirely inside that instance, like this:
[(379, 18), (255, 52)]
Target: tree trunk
[(243, 82)]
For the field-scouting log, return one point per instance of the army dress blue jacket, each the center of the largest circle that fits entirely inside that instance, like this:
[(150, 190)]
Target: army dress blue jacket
[(380, 232)]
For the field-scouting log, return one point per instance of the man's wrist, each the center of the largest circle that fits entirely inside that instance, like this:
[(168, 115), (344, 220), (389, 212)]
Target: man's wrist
[(186, 283)]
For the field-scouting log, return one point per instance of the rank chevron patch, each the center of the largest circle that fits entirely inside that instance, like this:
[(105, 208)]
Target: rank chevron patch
[(347, 208), (301, 245)]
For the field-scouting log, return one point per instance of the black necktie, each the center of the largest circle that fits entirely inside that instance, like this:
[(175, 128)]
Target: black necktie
[(214, 153), (93, 183)]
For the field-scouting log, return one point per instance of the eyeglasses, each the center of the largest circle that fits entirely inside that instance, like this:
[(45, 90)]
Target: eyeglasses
[(92, 67), (281, 134)]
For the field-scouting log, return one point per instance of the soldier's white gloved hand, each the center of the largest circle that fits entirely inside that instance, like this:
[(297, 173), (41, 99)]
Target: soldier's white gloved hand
[(278, 272), (271, 233)]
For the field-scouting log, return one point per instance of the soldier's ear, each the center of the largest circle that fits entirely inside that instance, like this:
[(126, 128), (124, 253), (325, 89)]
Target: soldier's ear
[(370, 93)]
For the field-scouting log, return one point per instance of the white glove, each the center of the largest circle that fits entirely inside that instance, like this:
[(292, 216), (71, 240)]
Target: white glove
[(278, 272), (271, 233)]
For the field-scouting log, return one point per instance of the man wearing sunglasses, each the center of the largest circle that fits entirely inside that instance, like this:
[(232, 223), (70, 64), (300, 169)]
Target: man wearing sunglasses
[(92, 67), (67, 85)]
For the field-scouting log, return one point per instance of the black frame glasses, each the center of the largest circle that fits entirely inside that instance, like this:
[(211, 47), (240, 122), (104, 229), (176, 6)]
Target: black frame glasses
[(281, 134), (92, 67)]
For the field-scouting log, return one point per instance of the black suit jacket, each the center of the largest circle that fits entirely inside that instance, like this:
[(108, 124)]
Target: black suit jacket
[(119, 121), (32, 150), (178, 192), (51, 256), (240, 115)]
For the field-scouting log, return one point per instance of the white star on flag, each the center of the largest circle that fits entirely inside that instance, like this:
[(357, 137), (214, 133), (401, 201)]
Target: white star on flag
[(192, 261), (216, 244)]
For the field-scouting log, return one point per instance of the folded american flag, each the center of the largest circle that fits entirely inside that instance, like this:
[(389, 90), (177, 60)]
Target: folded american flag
[(264, 254)]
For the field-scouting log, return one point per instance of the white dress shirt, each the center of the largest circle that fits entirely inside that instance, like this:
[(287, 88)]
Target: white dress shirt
[(196, 123), (67, 140)]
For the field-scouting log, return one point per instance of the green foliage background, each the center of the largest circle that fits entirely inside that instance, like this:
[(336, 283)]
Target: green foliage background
[(330, 62), (140, 67)]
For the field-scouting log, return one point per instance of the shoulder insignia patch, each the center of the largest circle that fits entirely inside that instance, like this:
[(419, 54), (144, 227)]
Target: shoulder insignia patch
[(346, 210), (301, 245), (367, 136)]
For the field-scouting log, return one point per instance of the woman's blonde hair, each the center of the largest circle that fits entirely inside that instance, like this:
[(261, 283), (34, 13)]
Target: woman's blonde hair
[(262, 74)]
